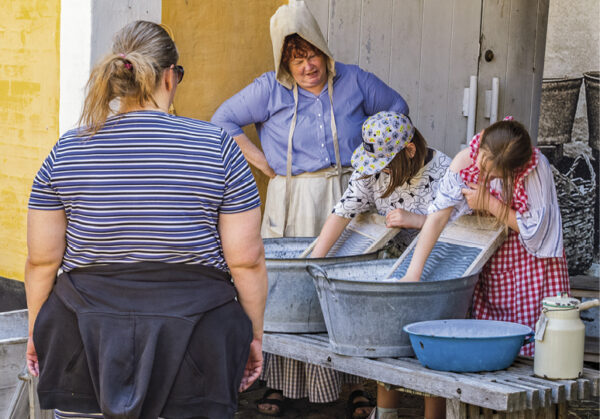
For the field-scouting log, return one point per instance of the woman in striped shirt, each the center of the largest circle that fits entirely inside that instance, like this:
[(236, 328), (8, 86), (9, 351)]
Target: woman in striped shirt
[(147, 218)]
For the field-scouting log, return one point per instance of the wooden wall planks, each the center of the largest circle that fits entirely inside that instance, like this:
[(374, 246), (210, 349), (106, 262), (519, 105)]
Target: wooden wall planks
[(405, 59), (427, 49), (375, 37), (344, 30)]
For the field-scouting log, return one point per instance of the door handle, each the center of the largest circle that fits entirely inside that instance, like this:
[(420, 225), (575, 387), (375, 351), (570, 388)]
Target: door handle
[(470, 106), (491, 101)]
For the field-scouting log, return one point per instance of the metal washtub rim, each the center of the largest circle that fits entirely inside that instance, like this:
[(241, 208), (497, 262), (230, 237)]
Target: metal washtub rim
[(327, 260), (364, 256), (14, 340), (421, 285)]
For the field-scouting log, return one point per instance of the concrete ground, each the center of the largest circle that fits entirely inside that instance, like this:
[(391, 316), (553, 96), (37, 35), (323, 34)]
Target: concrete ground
[(412, 407)]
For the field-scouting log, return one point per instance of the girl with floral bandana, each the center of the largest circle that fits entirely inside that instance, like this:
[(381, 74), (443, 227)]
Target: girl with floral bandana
[(395, 174)]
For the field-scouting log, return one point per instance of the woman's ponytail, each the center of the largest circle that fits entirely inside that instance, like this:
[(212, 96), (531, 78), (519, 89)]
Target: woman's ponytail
[(141, 52)]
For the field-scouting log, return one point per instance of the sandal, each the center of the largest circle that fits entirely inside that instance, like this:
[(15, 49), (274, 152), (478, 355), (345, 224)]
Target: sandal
[(279, 403), (351, 405)]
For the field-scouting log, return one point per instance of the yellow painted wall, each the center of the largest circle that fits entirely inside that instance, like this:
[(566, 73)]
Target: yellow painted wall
[(223, 45), (29, 98)]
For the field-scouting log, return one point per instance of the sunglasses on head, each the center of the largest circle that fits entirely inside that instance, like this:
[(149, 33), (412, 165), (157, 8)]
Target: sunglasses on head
[(180, 72)]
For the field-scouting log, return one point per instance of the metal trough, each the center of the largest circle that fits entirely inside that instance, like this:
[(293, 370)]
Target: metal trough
[(365, 314), (292, 303), (13, 343)]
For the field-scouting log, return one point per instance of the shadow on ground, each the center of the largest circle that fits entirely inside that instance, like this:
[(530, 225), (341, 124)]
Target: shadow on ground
[(302, 409), (412, 406)]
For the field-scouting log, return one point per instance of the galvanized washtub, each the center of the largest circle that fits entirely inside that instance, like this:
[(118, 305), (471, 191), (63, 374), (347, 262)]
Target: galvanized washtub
[(13, 343), (292, 302), (365, 315)]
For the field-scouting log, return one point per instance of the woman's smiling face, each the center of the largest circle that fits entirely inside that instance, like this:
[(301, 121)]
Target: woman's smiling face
[(310, 72)]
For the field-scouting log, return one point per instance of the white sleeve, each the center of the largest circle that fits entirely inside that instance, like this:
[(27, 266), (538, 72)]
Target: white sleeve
[(357, 198), (540, 227), (449, 194)]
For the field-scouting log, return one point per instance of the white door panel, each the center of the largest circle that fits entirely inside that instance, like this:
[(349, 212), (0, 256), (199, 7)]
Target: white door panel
[(515, 32), (428, 49)]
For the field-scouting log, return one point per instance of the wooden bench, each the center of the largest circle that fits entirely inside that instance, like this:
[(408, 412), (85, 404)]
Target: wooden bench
[(511, 393)]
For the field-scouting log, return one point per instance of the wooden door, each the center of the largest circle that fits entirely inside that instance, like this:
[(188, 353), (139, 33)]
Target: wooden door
[(425, 49), (515, 32), (428, 49)]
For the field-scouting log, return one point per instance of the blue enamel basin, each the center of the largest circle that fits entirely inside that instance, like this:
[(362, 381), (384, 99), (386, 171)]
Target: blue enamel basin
[(467, 345)]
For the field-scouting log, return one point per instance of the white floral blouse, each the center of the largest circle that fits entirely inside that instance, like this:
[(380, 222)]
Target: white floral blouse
[(364, 193)]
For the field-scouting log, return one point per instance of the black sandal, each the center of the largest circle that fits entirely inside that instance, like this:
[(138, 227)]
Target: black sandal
[(351, 405), (279, 403)]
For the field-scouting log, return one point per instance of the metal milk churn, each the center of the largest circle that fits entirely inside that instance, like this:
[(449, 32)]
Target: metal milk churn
[(559, 338)]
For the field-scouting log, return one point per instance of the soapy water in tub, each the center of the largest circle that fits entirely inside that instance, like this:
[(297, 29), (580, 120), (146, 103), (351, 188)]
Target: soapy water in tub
[(286, 249), (446, 261), (349, 244)]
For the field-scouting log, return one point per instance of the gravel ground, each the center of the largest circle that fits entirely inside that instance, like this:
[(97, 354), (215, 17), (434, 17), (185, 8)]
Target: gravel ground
[(412, 407)]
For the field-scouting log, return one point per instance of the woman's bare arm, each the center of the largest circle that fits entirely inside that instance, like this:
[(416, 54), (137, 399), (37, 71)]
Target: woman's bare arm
[(434, 224), (245, 255), (46, 243), (331, 231), (254, 155)]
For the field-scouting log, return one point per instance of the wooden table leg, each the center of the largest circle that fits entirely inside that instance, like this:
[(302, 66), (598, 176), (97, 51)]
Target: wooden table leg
[(561, 410), (474, 411), (455, 409)]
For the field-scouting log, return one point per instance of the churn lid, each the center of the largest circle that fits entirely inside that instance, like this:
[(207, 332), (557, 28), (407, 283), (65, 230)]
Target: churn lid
[(562, 302)]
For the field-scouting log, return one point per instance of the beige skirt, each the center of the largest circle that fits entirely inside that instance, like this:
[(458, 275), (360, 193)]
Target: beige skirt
[(313, 196)]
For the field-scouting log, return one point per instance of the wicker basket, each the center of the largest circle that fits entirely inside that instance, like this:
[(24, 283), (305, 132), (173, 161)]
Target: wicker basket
[(576, 196)]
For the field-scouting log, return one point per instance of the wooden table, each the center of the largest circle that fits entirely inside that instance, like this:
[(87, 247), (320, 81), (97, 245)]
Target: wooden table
[(511, 393)]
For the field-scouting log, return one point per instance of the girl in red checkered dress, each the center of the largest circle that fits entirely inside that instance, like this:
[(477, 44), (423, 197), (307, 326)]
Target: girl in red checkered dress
[(502, 174)]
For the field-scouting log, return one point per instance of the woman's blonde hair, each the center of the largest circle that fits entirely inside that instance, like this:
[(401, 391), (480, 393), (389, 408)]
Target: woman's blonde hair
[(141, 51), (507, 149), (403, 167)]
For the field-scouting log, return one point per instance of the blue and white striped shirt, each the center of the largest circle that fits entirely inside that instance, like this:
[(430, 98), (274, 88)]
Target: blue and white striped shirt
[(147, 187)]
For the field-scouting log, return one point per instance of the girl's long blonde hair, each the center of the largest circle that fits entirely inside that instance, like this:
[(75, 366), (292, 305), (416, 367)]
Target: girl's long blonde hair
[(506, 148), (141, 52)]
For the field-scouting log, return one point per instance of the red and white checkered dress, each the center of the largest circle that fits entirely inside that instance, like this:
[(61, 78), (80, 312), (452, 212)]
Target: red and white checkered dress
[(514, 282)]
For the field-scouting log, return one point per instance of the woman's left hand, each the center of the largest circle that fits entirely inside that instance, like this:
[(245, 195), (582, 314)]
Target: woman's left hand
[(472, 195), (253, 366), (32, 358)]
